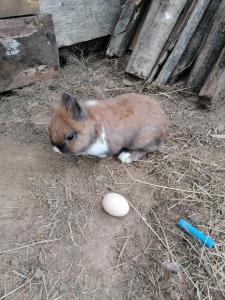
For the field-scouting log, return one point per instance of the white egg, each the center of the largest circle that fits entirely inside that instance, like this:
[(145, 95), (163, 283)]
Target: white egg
[(115, 205)]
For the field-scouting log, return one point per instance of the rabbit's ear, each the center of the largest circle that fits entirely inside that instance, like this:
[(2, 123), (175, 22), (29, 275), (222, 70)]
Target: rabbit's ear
[(71, 106)]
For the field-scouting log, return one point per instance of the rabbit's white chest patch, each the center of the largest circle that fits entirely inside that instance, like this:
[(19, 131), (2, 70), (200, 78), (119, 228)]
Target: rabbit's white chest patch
[(100, 147)]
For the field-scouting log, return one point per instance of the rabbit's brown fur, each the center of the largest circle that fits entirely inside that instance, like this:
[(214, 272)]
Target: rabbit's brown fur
[(129, 125)]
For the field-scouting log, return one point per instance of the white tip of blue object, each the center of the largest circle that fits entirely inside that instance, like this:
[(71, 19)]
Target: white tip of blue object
[(205, 240)]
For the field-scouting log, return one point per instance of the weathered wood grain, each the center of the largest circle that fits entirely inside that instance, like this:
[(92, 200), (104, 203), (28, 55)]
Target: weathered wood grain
[(193, 48), (153, 36), (213, 90), (182, 42), (81, 20), (140, 24), (209, 53), (125, 27), (28, 51), (13, 8), (143, 27), (178, 28)]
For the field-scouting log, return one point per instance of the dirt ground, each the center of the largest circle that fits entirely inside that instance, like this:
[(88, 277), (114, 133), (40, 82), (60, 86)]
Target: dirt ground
[(55, 240)]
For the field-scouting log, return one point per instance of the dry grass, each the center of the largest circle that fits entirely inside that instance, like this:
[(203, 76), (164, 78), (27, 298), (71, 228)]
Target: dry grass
[(196, 185), (152, 258)]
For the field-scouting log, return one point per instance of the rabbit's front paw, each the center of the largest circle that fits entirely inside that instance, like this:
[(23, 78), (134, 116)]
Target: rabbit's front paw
[(125, 157)]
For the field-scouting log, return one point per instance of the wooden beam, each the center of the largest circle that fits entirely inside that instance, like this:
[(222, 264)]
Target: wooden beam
[(77, 21), (139, 25), (125, 27), (13, 8), (182, 21), (182, 42), (155, 32), (213, 91), (28, 51), (209, 53), (192, 50), (143, 31)]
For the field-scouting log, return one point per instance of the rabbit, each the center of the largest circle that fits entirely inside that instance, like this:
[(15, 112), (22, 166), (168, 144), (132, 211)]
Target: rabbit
[(128, 126)]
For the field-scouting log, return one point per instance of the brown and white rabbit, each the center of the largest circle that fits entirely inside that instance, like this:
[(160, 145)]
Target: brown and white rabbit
[(129, 126)]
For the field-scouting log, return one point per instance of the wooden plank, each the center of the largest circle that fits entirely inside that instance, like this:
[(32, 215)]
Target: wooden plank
[(209, 53), (182, 21), (140, 24), (182, 42), (153, 38), (125, 27), (81, 20), (213, 91), (28, 51), (143, 29), (192, 50), (13, 8)]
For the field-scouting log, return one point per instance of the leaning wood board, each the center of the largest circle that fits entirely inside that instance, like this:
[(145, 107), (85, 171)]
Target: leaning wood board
[(142, 30), (13, 8), (182, 43), (209, 53), (187, 59), (125, 27), (81, 20), (140, 24), (153, 38), (214, 86), (178, 28), (28, 51)]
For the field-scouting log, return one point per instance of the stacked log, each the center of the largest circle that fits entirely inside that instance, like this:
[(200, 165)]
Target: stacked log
[(210, 51), (154, 34), (175, 38)]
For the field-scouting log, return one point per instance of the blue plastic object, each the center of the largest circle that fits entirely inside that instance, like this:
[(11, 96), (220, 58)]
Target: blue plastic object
[(205, 240)]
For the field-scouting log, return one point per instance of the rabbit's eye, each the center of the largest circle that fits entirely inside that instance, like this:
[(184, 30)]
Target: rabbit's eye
[(70, 136)]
